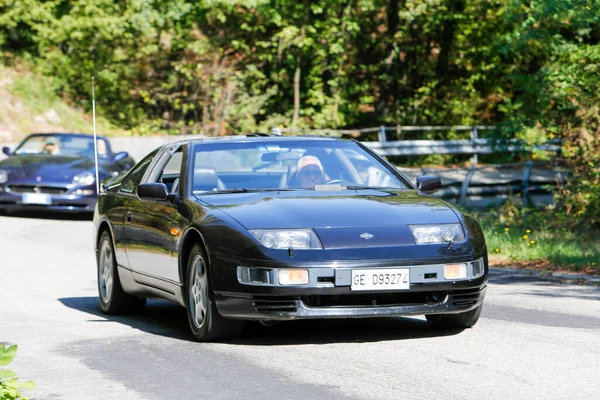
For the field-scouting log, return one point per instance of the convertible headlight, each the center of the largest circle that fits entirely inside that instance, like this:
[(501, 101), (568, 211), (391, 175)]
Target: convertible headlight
[(443, 233), (3, 176), (298, 239), (84, 179)]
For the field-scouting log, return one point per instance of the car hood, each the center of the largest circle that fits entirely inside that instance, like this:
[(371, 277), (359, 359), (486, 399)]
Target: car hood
[(46, 168), (339, 218)]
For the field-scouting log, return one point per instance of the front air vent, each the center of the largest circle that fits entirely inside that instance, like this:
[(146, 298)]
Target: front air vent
[(266, 305), (465, 298), (366, 299), (73, 205)]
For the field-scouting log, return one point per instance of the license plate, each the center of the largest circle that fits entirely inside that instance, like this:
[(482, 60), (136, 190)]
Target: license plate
[(37, 198), (380, 279)]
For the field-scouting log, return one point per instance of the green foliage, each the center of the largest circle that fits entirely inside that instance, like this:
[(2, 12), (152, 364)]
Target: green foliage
[(222, 66), (554, 48), (225, 66), (10, 385)]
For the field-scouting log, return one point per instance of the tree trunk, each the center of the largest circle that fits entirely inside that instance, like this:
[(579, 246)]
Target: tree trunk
[(389, 86), (447, 39), (297, 74), (297, 91)]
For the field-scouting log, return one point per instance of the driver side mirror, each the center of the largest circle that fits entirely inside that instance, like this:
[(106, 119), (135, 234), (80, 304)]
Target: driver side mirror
[(153, 192), (120, 156), (6, 150), (429, 184)]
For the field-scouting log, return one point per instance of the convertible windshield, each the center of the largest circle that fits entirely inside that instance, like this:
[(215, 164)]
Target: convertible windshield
[(291, 164), (70, 145)]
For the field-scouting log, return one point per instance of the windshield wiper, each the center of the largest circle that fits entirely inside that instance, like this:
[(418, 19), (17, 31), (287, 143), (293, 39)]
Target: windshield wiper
[(358, 187), (337, 187), (242, 190), (222, 191)]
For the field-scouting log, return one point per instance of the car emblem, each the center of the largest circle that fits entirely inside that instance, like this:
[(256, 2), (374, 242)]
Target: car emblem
[(37, 189), (38, 178), (366, 236)]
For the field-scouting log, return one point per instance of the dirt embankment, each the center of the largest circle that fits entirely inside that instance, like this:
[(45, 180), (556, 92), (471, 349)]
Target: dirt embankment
[(29, 104), (17, 118)]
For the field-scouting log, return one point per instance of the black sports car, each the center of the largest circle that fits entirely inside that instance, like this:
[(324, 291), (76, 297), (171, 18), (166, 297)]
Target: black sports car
[(56, 171), (260, 227)]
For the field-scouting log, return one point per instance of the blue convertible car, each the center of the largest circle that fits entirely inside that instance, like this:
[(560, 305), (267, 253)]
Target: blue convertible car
[(56, 171)]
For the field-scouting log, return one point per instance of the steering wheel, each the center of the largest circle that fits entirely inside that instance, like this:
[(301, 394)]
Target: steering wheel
[(334, 181)]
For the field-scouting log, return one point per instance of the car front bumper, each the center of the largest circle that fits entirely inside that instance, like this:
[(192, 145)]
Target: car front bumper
[(58, 202), (334, 306), (329, 293)]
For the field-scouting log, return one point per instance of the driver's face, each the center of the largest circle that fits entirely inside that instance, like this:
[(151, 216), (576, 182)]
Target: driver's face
[(310, 176)]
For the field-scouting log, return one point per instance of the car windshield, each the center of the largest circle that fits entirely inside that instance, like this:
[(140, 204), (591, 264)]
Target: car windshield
[(61, 145), (286, 164)]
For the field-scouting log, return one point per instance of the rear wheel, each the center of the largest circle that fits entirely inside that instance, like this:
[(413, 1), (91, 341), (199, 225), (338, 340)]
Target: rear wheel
[(459, 321), (206, 323), (113, 300)]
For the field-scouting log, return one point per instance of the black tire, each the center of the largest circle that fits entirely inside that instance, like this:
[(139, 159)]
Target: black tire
[(113, 299), (209, 326), (455, 321)]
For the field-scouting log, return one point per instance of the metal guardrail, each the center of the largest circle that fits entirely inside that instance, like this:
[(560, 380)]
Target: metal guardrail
[(500, 180), (519, 181), (474, 145)]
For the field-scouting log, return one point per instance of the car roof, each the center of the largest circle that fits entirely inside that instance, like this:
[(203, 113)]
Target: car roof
[(250, 137)]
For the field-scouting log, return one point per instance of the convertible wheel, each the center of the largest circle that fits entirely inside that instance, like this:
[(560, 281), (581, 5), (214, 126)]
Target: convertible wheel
[(459, 321), (205, 321), (113, 300)]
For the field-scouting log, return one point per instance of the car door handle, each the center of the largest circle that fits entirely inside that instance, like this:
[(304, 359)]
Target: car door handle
[(128, 217)]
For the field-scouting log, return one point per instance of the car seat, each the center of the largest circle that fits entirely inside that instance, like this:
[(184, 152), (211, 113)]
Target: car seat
[(175, 186), (207, 180)]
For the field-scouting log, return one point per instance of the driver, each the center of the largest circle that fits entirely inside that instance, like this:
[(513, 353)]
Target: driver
[(310, 172), (50, 148)]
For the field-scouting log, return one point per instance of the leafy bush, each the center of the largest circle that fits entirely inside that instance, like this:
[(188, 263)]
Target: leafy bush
[(10, 385)]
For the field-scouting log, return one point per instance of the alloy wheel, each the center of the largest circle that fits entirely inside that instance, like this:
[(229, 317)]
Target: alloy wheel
[(198, 292), (105, 275)]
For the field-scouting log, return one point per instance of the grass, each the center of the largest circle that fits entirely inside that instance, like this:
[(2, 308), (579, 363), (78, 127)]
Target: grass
[(540, 239)]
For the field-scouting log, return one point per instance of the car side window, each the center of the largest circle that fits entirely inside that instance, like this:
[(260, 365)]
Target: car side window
[(167, 171), (135, 176)]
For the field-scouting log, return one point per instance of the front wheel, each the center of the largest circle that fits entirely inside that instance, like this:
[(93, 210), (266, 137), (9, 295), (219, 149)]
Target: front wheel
[(206, 323), (113, 299), (459, 321)]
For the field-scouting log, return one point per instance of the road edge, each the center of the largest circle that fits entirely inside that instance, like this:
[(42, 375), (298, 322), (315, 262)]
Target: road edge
[(578, 279)]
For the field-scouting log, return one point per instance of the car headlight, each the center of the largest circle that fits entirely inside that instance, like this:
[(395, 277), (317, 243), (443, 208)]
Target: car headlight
[(3, 176), (84, 179), (298, 239), (442, 233)]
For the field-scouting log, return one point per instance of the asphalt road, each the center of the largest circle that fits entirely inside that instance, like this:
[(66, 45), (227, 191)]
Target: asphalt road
[(535, 340)]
